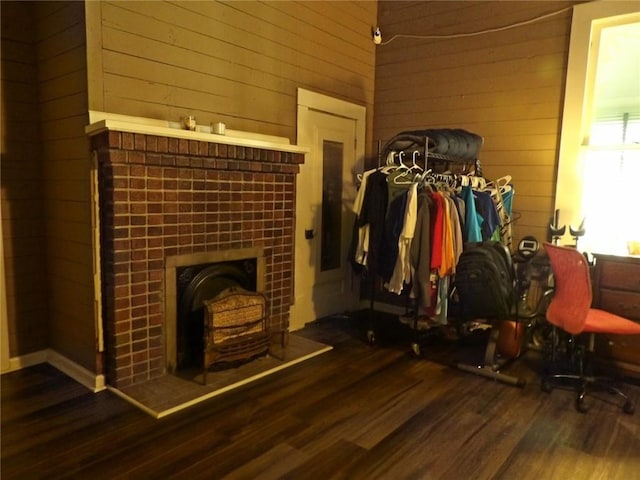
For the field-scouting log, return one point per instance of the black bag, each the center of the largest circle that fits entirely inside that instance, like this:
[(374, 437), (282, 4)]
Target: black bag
[(484, 281)]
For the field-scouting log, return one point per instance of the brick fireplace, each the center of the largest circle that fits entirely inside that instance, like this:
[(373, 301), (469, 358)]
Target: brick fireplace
[(168, 197)]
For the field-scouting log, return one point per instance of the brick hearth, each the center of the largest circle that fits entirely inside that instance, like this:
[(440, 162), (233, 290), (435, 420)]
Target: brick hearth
[(162, 197)]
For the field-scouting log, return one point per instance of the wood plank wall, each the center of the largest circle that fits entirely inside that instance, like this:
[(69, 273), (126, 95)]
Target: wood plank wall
[(22, 184), (241, 63), (62, 74), (236, 62), (506, 86), (45, 180)]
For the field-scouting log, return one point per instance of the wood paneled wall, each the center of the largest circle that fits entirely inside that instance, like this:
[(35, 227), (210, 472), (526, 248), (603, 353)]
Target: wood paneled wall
[(236, 62), (45, 180), (22, 185), (241, 63), (506, 86), (62, 73)]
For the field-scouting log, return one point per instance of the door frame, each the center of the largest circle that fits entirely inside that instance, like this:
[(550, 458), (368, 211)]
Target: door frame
[(5, 356), (309, 101)]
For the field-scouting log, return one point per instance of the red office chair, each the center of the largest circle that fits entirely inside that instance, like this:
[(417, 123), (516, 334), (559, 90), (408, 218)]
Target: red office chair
[(570, 310)]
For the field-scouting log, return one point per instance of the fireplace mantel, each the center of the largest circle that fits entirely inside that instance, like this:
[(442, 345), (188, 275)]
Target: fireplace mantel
[(165, 192), (103, 121)]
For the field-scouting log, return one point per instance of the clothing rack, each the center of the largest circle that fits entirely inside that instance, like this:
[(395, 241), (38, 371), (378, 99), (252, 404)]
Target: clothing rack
[(438, 172)]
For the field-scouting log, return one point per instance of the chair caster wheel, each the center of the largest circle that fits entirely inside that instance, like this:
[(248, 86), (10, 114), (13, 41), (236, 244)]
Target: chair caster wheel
[(546, 386), (581, 406), (416, 350), (628, 408), (371, 337)]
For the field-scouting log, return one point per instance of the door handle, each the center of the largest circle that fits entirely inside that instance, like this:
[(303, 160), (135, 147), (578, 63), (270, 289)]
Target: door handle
[(309, 234)]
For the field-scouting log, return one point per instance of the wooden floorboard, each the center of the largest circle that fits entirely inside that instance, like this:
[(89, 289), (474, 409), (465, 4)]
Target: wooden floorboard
[(355, 412)]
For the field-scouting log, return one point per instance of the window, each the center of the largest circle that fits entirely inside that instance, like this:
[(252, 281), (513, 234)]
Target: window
[(599, 167), (332, 185)]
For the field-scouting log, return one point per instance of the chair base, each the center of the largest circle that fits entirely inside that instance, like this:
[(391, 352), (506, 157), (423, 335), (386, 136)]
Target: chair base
[(570, 362), (584, 385)]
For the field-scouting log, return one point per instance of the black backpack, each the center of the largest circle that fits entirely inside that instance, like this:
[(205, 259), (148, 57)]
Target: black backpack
[(484, 281)]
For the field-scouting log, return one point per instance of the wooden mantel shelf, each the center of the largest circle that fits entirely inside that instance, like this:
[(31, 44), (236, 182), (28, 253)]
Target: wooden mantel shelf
[(102, 121)]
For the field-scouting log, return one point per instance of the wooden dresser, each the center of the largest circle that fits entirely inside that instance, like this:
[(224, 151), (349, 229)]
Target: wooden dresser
[(616, 288)]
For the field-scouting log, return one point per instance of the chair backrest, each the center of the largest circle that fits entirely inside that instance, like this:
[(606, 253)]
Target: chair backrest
[(572, 296)]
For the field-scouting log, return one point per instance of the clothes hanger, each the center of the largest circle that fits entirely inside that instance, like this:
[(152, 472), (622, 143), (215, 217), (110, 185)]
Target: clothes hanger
[(413, 158), (390, 165), (404, 169), (401, 179), (401, 160), (478, 183), (501, 183), (504, 184)]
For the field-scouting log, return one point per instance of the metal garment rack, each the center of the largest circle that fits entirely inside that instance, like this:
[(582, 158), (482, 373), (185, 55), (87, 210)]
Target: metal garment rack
[(416, 331), (489, 367)]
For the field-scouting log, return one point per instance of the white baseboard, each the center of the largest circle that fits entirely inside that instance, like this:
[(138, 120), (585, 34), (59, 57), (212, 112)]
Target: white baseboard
[(28, 360), (93, 382)]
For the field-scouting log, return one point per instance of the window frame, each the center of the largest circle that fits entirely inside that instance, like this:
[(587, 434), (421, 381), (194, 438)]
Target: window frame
[(587, 21)]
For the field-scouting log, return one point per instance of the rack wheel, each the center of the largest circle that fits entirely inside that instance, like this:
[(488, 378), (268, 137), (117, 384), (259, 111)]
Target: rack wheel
[(628, 408), (581, 405), (546, 386), (371, 337), (416, 350)]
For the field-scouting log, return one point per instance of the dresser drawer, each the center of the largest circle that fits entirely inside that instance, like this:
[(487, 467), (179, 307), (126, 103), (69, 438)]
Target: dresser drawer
[(625, 304), (618, 275), (617, 290), (624, 348)]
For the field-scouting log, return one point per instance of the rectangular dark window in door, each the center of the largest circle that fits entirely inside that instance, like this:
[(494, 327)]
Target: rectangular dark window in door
[(331, 248)]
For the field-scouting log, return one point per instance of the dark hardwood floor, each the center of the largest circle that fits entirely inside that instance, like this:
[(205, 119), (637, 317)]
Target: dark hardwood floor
[(356, 412)]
